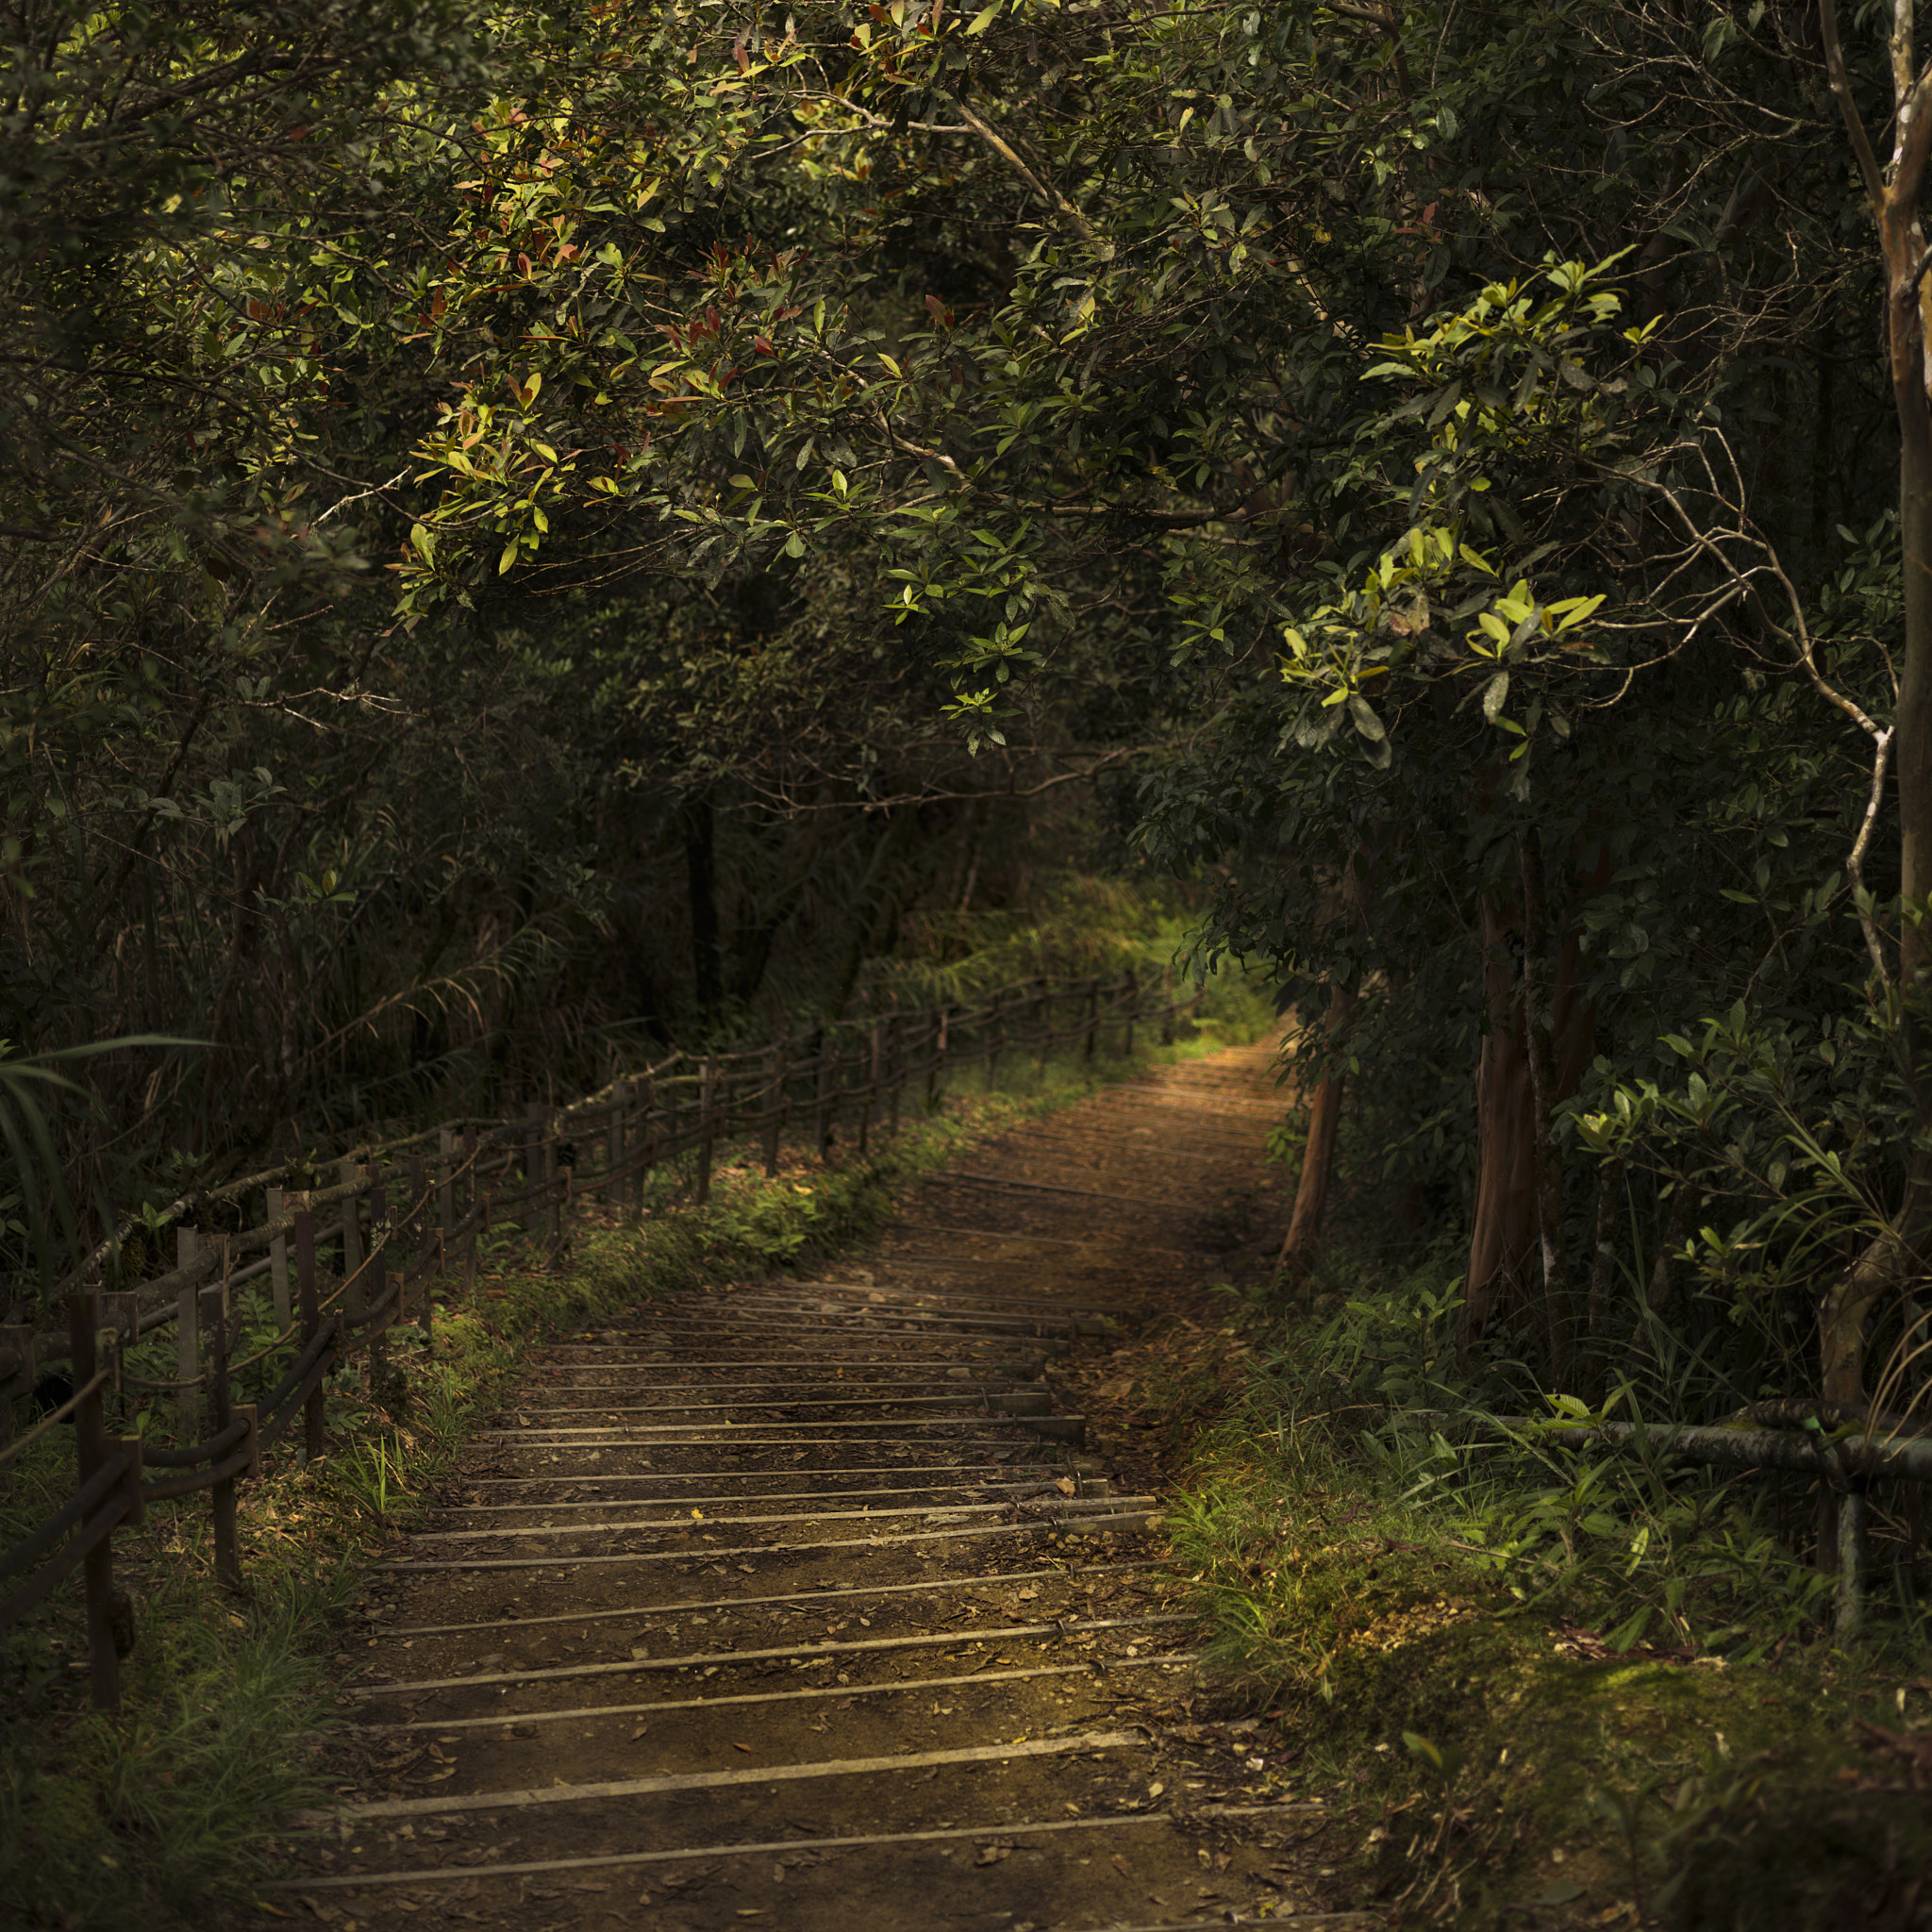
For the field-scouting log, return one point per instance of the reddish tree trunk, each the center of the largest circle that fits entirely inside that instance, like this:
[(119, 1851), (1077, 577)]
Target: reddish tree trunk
[(1502, 1235), (1505, 1232), (1318, 1156)]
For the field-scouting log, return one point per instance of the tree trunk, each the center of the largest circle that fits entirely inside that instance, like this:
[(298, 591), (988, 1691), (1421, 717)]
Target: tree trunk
[(1318, 1156), (1898, 1252), (1519, 1196), (1603, 1270), (1501, 1234), (1559, 1312), (876, 902)]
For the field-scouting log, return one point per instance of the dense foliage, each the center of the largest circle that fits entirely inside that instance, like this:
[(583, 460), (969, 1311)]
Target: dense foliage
[(535, 523)]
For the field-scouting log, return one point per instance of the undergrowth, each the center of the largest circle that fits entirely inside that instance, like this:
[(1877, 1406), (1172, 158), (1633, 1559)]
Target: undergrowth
[(1568, 1687), (164, 1815)]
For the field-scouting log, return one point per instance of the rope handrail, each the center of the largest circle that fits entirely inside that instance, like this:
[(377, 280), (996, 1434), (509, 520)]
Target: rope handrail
[(1038, 987)]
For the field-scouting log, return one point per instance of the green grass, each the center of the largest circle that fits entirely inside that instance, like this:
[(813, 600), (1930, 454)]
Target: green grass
[(165, 1816), (1543, 1686), (159, 1816)]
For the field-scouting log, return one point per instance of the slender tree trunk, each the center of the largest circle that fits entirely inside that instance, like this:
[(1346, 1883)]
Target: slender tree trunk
[(876, 904), (1603, 1269), (1501, 1234), (1894, 195), (1560, 1311), (1318, 1154)]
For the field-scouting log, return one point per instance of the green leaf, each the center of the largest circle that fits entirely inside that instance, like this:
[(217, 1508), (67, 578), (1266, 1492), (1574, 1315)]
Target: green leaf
[(1445, 1763), (1627, 1632)]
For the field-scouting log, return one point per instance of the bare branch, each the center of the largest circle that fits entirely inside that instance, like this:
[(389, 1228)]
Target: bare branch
[(1799, 638), (1842, 92), (373, 489), (1052, 196), (1855, 863)]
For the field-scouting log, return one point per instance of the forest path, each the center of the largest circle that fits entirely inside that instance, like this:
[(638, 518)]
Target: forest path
[(802, 1601)]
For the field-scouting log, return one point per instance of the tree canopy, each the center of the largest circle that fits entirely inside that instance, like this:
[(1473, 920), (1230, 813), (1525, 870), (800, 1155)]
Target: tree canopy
[(533, 523)]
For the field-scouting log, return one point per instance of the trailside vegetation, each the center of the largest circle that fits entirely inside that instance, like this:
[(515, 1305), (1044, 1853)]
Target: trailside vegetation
[(538, 529)]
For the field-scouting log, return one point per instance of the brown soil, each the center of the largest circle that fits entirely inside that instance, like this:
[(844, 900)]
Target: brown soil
[(823, 1602)]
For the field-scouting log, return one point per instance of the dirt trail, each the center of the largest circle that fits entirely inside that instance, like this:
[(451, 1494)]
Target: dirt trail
[(809, 1602)]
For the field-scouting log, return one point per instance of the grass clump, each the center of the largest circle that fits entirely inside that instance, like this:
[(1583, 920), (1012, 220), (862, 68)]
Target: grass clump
[(157, 1816)]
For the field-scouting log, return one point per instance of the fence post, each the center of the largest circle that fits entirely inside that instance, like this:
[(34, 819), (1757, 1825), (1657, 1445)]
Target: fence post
[(1091, 1028), (823, 1107), (121, 1315), (418, 1214), (90, 1450), (648, 1150), (707, 1127), (1133, 997), (305, 1290), (995, 1035), (775, 1111), (478, 1210), (350, 1174), (279, 1259), (895, 1072), (871, 1092), (354, 1285), (1167, 1006), (18, 1339), (446, 1193), (378, 1275), (214, 1319), (938, 1058), (1854, 1560), (553, 1182), (186, 1343), (535, 1168), (613, 1149)]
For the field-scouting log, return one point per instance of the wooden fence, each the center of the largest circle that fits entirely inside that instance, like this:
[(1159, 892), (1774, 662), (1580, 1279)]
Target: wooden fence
[(401, 1214)]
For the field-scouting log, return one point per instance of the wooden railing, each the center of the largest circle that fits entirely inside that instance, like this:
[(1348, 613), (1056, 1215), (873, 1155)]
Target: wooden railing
[(408, 1213)]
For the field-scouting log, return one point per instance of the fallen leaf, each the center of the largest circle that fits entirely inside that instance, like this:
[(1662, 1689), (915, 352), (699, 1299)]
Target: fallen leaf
[(1065, 1486), (741, 1747)]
